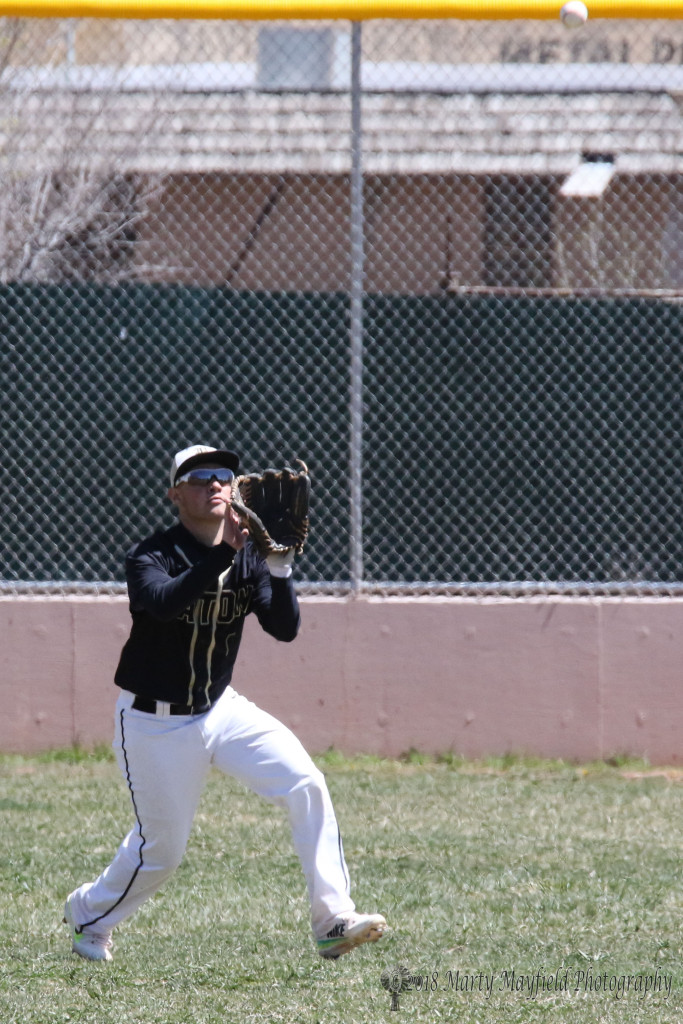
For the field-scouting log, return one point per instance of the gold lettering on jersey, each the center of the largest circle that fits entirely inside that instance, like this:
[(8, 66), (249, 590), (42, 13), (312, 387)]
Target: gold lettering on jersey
[(233, 605)]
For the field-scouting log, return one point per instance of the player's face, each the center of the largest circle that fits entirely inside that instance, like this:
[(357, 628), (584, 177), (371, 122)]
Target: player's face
[(202, 501)]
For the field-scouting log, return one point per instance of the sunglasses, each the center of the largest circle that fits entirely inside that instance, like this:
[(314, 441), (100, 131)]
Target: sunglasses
[(202, 477)]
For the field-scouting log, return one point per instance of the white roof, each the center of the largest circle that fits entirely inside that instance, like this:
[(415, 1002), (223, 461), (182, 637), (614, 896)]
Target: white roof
[(147, 128)]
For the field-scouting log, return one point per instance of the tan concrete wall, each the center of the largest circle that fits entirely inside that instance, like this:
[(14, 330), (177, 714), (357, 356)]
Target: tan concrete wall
[(255, 232), (615, 241), (423, 233), (571, 678)]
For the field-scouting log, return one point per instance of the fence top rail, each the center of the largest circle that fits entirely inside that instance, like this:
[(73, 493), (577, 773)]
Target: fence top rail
[(346, 10), (627, 589)]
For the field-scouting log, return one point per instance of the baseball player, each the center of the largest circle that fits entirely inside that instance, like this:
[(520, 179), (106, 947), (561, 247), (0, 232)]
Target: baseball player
[(190, 589)]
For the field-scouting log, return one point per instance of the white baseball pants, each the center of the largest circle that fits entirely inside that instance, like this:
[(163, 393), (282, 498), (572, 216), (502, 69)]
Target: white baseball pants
[(165, 761)]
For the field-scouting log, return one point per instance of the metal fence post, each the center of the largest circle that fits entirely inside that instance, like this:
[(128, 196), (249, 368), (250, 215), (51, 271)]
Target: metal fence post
[(356, 315)]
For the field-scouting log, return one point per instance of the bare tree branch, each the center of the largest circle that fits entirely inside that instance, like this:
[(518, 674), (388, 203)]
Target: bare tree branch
[(66, 214)]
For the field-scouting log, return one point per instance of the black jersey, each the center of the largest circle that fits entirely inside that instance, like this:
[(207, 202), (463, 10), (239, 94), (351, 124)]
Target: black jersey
[(188, 603)]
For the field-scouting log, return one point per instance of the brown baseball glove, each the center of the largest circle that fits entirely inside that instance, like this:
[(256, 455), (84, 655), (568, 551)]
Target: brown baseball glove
[(273, 506)]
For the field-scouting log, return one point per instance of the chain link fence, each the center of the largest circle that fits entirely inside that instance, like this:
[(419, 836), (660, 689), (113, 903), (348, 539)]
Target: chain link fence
[(442, 262)]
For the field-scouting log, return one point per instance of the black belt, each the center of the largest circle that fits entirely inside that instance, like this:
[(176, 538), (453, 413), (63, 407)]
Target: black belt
[(150, 706)]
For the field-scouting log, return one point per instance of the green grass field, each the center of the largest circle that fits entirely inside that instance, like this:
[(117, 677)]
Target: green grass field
[(516, 891)]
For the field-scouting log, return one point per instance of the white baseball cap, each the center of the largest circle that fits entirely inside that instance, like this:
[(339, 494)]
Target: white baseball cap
[(198, 454)]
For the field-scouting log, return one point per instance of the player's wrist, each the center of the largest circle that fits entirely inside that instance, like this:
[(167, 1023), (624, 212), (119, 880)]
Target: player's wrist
[(281, 574), (280, 563)]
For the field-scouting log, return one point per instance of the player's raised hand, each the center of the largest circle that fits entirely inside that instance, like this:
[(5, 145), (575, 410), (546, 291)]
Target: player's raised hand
[(233, 532)]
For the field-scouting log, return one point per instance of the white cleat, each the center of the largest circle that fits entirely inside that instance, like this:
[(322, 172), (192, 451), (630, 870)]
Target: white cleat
[(89, 944), (349, 931)]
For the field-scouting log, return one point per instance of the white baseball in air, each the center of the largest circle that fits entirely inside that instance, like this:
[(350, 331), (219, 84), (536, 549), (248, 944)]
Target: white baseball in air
[(574, 14)]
